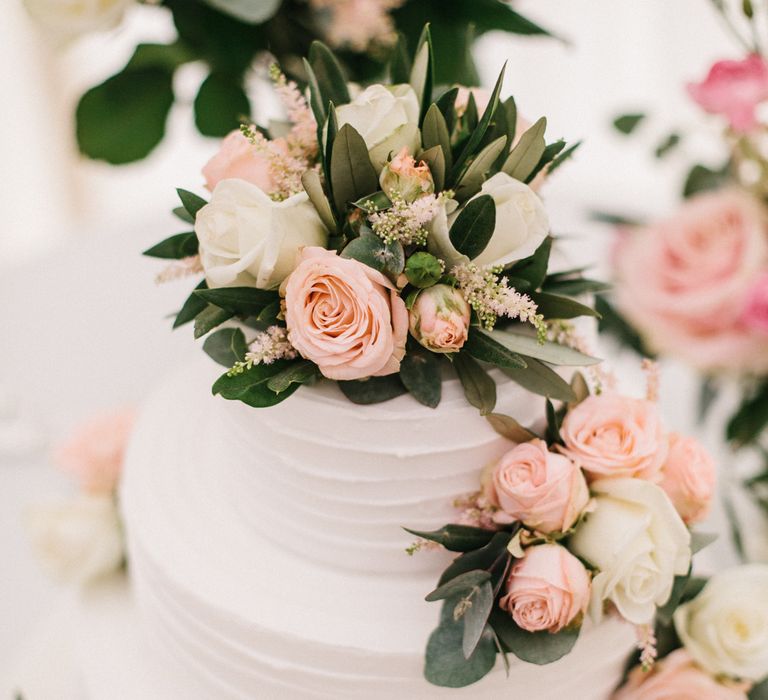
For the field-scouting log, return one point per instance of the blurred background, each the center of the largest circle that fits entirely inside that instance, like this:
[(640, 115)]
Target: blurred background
[(84, 326)]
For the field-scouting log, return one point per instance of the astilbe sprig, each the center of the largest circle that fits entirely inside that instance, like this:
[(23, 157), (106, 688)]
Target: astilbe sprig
[(405, 222), (178, 269), (266, 348)]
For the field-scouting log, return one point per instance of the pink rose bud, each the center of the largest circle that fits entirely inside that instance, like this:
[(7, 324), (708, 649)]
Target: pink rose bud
[(344, 316), (545, 491), (615, 436), (406, 179), (548, 589), (239, 159), (677, 677), (734, 89), (755, 316), (95, 452), (688, 477), (439, 319)]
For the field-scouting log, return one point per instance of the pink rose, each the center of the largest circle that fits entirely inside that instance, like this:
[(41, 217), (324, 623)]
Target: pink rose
[(684, 282), (439, 319), (94, 453), (239, 159), (547, 589), (676, 677), (688, 477), (615, 436), (734, 89), (344, 316), (755, 316), (544, 490)]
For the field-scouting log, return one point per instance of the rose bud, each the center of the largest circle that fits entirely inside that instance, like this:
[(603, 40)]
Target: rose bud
[(404, 178), (439, 319)]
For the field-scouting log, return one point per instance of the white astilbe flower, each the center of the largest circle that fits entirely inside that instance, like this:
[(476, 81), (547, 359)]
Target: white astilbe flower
[(302, 139), (267, 347), (405, 222), (491, 296), (179, 269), (565, 333)]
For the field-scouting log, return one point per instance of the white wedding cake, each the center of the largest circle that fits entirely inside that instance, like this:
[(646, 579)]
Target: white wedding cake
[(267, 553)]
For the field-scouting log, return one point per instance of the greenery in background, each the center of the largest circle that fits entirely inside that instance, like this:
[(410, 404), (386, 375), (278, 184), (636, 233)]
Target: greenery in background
[(123, 119)]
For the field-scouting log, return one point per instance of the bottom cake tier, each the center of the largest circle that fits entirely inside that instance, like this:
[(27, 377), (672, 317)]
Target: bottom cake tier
[(242, 615)]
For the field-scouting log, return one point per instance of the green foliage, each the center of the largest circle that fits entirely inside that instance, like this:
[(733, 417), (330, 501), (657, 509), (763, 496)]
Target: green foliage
[(667, 145), (481, 345), (613, 324), (182, 245), (472, 180), (330, 78), (423, 70), (251, 385), (529, 273), (314, 189), (508, 427), (540, 379), (703, 179), (460, 585), (554, 306), (247, 10), (526, 155), (352, 174), (553, 425), (298, 372), (479, 387), (191, 308), (371, 250), (400, 62), (191, 202), (373, 390), (423, 269), (474, 226), (534, 647), (420, 373), (434, 132), (751, 419), (210, 317), (528, 345), (241, 301), (627, 123), (457, 538), (226, 346), (221, 105), (482, 558)]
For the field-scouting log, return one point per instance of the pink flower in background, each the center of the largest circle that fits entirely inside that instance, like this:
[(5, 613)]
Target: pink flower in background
[(734, 89), (544, 490), (357, 24), (688, 477), (95, 452), (547, 589), (676, 677), (239, 159), (755, 315), (609, 435), (683, 282), (344, 316)]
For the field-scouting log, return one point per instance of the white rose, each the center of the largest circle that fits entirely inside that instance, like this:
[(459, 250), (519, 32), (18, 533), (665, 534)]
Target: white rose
[(725, 627), (70, 18), (387, 118), (249, 240), (78, 540), (638, 542), (522, 224)]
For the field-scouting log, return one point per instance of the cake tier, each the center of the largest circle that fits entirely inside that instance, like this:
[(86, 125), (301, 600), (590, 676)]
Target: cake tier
[(267, 552)]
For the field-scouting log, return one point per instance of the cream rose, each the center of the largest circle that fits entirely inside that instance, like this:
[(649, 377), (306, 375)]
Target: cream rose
[(638, 542), (249, 240), (439, 320), (547, 589), (676, 677), (544, 490), (616, 436), (70, 18), (725, 627), (386, 117), (688, 477), (344, 316), (80, 540)]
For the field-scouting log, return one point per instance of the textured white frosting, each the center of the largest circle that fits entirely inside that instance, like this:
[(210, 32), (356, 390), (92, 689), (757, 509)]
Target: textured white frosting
[(267, 551)]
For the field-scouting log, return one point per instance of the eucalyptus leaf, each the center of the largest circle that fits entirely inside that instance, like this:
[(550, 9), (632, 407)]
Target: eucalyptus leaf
[(210, 317), (479, 387), (191, 308), (250, 386), (482, 558), (182, 245), (476, 618), (421, 374), (299, 372), (314, 189), (244, 301), (352, 175), (226, 346), (473, 228), (459, 586), (540, 379), (534, 647), (370, 250), (472, 180), (554, 306), (528, 345), (373, 390), (483, 347), (191, 202), (508, 427), (457, 538), (445, 664), (524, 157), (328, 74)]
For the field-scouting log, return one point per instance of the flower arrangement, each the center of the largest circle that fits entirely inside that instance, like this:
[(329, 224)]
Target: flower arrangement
[(232, 37), (378, 238), (588, 516), (714, 646)]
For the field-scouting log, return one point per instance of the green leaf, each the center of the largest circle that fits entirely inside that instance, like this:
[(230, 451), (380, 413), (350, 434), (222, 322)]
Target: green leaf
[(553, 353), (221, 105), (434, 132), (759, 691), (580, 390), (541, 379), (314, 189), (508, 427), (422, 72), (554, 306), (667, 145), (612, 323), (563, 157), (553, 425), (532, 270), (472, 180), (474, 226), (226, 346), (300, 372), (250, 386), (482, 558), (525, 156), (247, 11), (627, 123), (534, 647), (184, 215), (316, 101), (701, 540), (352, 175), (484, 348), (370, 250), (550, 153), (210, 317), (421, 374), (446, 103), (476, 618), (666, 611), (435, 159), (457, 538), (751, 419), (330, 78), (461, 585), (182, 245), (123, 119), (373, 390), (479, 387), (574, 287), (191, 308), (191, 202), (703, 179), (400, 62), (169, 56), (243, 301)]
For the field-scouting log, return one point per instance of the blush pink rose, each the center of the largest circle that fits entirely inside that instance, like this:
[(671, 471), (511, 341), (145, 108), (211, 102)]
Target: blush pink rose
[(439, 319), (755, 316), (238, 159), (94, 454), (676, 677), (545, 491), (548, 589), (609, 435), (683, 282), (344, 316), (734, 89), (688, 477)]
